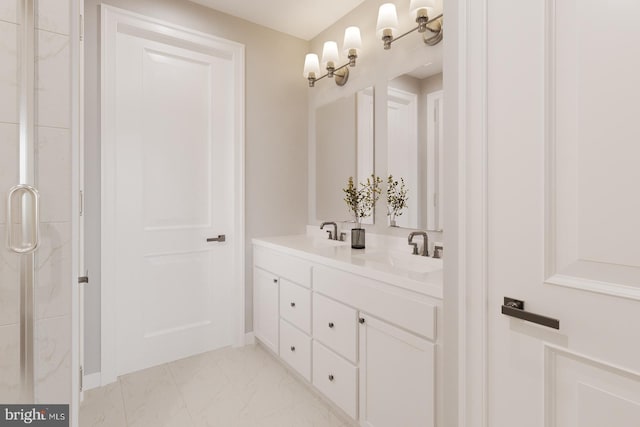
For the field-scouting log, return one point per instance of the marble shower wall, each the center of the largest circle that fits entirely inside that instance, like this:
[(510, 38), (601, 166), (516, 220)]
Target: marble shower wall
[(53, 177)]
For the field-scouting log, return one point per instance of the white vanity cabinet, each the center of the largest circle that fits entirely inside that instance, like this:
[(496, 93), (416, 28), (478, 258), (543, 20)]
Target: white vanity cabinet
[(265, 307), (367, 345), (282, 306), (397, 376)]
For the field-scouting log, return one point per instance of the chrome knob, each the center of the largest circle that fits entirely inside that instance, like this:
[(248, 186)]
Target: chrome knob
[(293, 304), (275, 280), (293, 348), (330, 377), (361, 320), (331, 324)]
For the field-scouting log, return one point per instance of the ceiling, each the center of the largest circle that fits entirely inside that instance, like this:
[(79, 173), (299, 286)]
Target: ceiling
[(304, 19)]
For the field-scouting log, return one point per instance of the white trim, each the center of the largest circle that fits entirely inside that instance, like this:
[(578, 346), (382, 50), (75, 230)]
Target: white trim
[(111, 18), (249, 338), (91, 381), (618, 283), (551, 353), (466, 210), (550, 142), (434, 186), (596, 286)]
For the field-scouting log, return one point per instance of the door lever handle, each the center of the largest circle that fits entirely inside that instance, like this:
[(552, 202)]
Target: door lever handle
[(220, 238), (515, 308)]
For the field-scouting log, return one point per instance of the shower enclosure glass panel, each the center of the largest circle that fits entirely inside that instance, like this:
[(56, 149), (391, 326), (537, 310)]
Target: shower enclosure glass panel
[(19, 220)]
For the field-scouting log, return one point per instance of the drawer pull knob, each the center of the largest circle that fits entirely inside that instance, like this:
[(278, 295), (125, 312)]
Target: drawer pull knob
[(293, 348), (293, 304), (331, 324), (275, 280), (330, 377), (361, 320)]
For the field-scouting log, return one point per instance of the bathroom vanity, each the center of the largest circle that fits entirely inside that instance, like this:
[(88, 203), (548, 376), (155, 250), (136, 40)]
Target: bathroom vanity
[(361, 326)]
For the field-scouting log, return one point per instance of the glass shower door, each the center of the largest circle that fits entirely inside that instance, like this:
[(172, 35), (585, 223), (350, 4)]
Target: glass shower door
[(19, 220)]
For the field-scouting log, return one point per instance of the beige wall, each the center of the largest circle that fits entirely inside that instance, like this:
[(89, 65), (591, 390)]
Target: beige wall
[(376, 67), (336, 152), (276, 133)]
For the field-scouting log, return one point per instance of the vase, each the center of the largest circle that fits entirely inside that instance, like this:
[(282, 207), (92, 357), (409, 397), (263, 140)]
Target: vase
[(357, 238), (392, 221)]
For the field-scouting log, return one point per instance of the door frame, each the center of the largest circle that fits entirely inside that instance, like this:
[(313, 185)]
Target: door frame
[(465, 207), (76, 35), (111, 19)]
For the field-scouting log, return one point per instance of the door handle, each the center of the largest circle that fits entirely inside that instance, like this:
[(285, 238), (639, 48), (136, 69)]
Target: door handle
[(220, 238), (515, 308), (29, 236)]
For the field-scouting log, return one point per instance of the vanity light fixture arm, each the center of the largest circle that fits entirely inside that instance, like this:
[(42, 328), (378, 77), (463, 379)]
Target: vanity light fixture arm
[(388, 39), (312, 80)]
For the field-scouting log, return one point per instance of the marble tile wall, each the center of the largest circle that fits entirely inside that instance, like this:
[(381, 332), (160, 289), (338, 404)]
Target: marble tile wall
[(53, 177)]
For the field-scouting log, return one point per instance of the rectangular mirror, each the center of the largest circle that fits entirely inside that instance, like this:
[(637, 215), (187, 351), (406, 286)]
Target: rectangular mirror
[(344, 148), (414, 145)]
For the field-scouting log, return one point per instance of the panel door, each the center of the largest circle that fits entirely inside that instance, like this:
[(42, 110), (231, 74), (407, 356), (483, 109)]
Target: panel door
[(564, 228), (265, 308), (174, 190), (397, 382)]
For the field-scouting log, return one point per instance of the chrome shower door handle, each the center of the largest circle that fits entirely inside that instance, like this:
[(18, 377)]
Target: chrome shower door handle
[(23, 237)]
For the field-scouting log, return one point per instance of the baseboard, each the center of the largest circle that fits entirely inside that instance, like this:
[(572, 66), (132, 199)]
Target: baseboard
[(91, 381), (249, 338)]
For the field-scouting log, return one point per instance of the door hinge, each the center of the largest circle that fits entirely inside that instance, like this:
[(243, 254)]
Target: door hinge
[(81, 203), (81, 29), (81, 380)]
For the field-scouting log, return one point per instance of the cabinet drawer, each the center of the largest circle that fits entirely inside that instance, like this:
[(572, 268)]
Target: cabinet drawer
[(335, 378), (295, 305), (295, 269), (295, 349), (408, 310), (335, 325)]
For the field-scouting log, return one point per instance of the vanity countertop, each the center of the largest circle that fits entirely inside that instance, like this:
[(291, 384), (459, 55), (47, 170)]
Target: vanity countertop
[(419, 274)]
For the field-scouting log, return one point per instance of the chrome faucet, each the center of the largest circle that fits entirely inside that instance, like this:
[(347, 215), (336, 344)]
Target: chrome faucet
[(425, 240), (334, 235)]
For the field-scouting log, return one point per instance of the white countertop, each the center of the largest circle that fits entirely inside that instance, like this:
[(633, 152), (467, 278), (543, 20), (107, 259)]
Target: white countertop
[(410, 272)]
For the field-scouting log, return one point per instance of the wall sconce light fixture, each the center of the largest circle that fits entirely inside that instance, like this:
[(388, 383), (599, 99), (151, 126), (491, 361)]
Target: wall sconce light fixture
[(387, 24), (330, 57)]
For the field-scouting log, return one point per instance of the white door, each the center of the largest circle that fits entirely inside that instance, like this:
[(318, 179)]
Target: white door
[(402, 131), (435, 160), (174, 189), (564, 212)]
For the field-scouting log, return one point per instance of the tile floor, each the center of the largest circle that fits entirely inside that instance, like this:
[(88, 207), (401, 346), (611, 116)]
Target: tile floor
[(243, 387)]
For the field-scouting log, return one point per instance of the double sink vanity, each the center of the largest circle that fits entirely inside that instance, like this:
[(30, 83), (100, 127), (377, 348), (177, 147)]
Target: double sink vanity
[(363, 327)]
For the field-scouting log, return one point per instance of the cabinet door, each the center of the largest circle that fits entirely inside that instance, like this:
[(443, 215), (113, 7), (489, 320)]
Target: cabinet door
[(396, 376), (265, 308)]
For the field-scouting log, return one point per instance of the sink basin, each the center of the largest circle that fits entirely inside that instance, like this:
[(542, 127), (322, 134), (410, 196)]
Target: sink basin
[(399, 260), (326, 243)]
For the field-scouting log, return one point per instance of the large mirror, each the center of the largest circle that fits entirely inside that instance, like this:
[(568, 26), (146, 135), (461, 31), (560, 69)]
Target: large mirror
[(414, 146), (344, 148)]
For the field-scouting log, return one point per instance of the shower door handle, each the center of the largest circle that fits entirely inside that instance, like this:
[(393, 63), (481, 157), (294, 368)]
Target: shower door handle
[(27, 239)]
